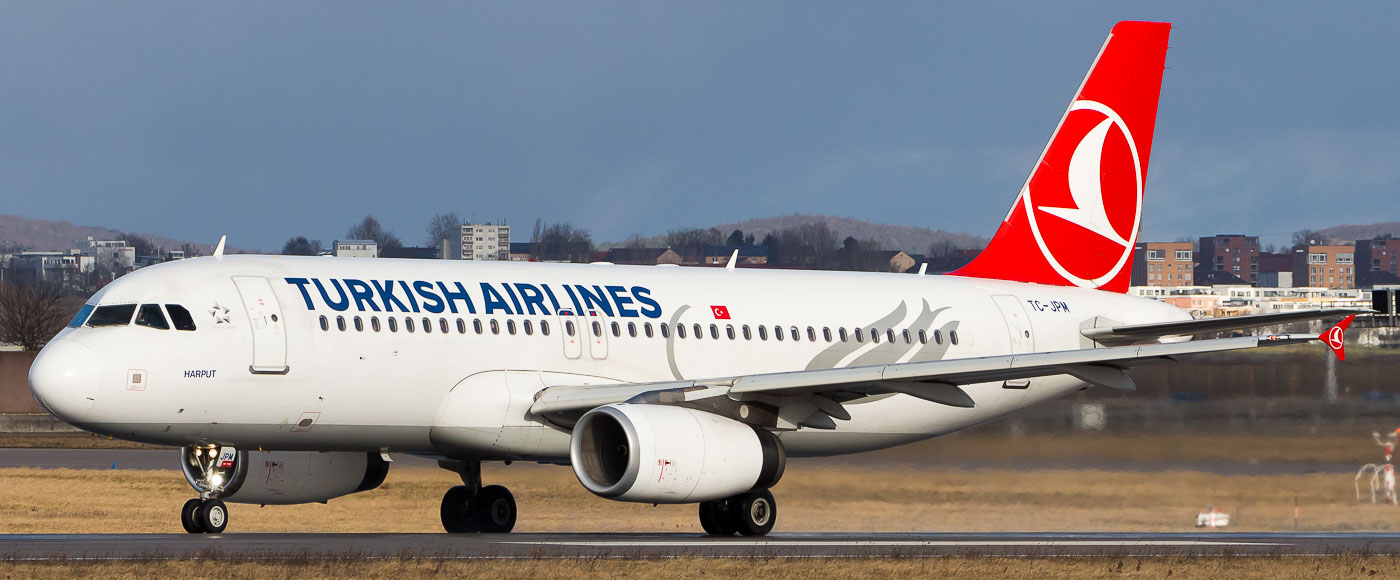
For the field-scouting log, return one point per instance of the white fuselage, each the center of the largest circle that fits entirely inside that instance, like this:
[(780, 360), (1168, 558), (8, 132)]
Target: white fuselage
[(259, 371)]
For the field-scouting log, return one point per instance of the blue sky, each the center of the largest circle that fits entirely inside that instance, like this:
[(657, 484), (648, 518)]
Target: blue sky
[(266, 120)]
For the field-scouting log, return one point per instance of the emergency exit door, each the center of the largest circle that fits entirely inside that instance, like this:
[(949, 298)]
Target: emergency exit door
[(266, 323)]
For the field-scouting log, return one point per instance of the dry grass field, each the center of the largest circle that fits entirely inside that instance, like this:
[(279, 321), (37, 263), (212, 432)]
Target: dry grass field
[(813, 496), (775, 569)]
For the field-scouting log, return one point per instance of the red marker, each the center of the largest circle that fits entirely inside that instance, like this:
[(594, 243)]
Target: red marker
[(720, 312)]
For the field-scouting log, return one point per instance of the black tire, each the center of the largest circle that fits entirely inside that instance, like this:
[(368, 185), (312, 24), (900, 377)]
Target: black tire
[(213, 516), (456, 506), (753, 513), (189, 516), (715, 520), (493, 509)]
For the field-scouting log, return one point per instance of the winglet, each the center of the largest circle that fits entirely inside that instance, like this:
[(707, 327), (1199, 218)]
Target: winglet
[(1334, 337), (733, 258), (219, 250)]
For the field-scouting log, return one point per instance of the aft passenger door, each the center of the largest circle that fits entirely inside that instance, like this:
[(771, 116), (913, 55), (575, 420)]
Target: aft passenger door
[(1018, 329), (265, 320)]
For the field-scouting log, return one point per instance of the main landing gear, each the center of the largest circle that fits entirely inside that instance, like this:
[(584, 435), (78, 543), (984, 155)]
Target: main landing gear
[(751, 514), (471, 508)]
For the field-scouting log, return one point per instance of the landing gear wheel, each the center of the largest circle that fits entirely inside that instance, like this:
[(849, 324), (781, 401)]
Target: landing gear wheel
[(212, 515), (456, 511), (189, 517), (493, 509), (753, 513), (715, 519)]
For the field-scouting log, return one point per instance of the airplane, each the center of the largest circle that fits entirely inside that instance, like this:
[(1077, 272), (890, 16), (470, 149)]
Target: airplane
[(288, 380)]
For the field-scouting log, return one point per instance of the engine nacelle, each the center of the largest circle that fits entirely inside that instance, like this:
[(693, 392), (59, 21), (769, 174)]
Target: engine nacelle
[(283, 477), (663, 454)]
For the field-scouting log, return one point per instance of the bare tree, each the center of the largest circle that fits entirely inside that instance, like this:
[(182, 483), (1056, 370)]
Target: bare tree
[(563, 241), (30, 315), (369, 229), (445, 226), (300, 246), (1309, 238)]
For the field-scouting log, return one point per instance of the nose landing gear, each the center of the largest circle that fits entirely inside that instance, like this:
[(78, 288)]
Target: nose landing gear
[(211, 470)]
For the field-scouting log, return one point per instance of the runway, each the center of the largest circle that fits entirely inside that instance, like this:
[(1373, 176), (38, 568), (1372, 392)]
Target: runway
[(823, 545)]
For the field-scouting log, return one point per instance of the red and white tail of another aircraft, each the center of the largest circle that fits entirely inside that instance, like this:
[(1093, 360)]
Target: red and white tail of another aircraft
[(291, 380)]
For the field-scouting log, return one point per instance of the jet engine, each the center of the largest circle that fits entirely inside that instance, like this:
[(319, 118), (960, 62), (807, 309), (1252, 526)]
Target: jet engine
[(281, 477), (663, 454)]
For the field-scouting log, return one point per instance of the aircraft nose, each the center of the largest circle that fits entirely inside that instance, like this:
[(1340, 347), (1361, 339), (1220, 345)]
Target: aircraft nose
[(63, 379)]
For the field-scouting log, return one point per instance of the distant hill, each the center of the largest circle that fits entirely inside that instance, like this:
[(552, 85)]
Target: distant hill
[(56, 236), (914, 240), (1351, 233)]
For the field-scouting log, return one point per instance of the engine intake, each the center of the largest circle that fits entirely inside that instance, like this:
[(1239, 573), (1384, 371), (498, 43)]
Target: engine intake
[(664, 454)]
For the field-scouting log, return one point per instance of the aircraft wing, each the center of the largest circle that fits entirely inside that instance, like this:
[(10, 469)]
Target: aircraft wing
[(937, 381), (1135, 333)]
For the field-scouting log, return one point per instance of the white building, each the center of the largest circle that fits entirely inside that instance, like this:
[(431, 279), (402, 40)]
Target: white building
[(356, 249), (116, 255), (486, 242)]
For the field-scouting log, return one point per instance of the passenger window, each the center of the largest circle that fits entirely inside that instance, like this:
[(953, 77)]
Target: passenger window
[(476, 325), (374, 323), (632, 329), (923, 337), (841, 333), (529, 328), (442, 325), (699, 334), (714, 332), (427, 325), (616, 329), (597, 328), (461, 326), (875, 336), (889, 334), (953, 337), (826, 333), (778, 332), (495, 326), (325, 323), (393, 324), (359, 324), (544, 327), (859, 336), (114, 315), (340, 323), (510, 327), (763, 333), (906, 336), (748, 334), (150, 316), (680, 331), (82, 316), (407, 324), (180, 317), (646, 327), (729, 331), (938, 337), (811, 334), (569, 327), (665, 330)]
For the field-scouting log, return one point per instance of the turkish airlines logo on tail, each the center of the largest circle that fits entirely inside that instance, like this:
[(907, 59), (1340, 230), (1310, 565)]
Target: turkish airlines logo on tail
[(1084, 203)]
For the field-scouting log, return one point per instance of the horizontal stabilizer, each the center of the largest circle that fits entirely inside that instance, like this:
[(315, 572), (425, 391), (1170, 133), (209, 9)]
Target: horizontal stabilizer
[(1134, 333)]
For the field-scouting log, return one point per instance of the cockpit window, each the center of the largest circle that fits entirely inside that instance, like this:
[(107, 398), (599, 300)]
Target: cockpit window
[(151, 316), (113, 315), (180, 317), (82, 315)]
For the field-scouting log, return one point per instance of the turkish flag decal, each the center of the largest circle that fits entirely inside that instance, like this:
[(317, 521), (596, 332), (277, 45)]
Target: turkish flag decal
[(721, 312)]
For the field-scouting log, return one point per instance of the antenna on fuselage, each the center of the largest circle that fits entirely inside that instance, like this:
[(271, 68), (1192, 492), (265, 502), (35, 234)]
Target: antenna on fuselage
[(923, 268), (219, 249), (732, 259)]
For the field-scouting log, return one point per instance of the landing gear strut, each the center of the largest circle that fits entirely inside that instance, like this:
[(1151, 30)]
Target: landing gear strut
[(472, 508), (209, 469), (750, 514)]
